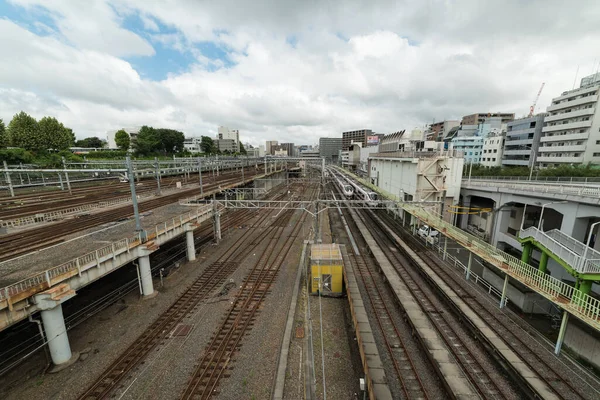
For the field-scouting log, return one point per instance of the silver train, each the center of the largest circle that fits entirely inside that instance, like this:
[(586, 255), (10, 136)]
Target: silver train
[(360, 193), (346, 188)]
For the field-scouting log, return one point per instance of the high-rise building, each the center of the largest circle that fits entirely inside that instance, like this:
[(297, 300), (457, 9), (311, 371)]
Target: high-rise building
[(522, 141), (329, 148), (479, 118), (360, 136), (289, 148), (269, 146), (571, 132), (224, 133), (440, 129)]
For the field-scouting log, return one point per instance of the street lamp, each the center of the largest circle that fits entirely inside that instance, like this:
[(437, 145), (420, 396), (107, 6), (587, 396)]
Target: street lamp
[(542, 213), (588, 242)]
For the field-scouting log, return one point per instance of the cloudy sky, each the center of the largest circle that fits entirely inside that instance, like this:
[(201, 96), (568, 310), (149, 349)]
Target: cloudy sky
[(287, 70)]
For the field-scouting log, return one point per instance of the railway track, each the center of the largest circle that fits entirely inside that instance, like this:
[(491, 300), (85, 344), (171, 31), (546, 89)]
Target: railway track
[(213, 277), (240, 317), (19, 243), (511, 332), (481, 369)]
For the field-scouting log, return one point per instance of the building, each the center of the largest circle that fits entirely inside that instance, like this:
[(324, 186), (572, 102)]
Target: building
[(493, 147), (110, 136), (309, 154), (329, 148), (522, 141), (439, 130), (571, 132), (419, 176), (476, 119), (470, 146), (253, 152), (224, 133), (227, 145), (192, 145), (360, 136), (289, 148), (269, 146)]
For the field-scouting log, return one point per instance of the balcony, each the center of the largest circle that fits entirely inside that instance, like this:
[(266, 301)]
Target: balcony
[(554, 160), (562, 138), (572, 114), (507, 161), (570, 125), (561, 149), (517, 152), (520, 132), (574, 103), (577, 92), (518, 142)]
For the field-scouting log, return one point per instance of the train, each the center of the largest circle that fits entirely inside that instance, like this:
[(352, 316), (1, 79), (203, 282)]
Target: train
[(369, 197), (345, 187)]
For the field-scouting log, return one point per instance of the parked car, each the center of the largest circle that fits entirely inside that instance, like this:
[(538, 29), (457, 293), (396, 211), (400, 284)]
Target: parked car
[(429, 234)]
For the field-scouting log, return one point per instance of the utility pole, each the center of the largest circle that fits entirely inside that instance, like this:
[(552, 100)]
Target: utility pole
[(136, 214), (8, 181), (66, 175), (200, 175), (157, 172)]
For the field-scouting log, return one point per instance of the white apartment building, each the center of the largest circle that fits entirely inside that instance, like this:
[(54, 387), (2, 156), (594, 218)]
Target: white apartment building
[(224, 133), (571, 132), (110, 136), (192, 145), (493, 147)]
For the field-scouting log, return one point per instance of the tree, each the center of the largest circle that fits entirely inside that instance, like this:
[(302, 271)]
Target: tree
[(22, 131), (93, 141), (171, 140), (243, 149), (3, 140), (207, 145), (52, 134), (122, 139), (147, 141)]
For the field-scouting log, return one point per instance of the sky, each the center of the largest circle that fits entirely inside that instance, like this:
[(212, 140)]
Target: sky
[(287, 70)]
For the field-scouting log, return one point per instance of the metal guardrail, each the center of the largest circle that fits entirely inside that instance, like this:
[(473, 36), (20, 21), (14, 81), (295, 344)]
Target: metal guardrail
[(539, 179), (581, 305), (537, 187), (94, 258), (564, 246)]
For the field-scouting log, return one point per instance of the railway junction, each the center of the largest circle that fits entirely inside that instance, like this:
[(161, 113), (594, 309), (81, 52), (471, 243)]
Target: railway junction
[(259, 279)]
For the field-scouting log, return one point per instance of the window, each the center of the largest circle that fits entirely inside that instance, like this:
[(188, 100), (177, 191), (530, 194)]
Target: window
[(597, 141), (513, 213), (596, 154), (495, 150)]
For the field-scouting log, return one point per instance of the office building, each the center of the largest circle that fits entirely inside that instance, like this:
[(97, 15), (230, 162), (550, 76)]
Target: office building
[(227, 145), (522, 141), (329, 148), (360, 136), (493, 147), (571, 132), (269, 150), (476, 119), (192, 145), (224, 133), (289, 148), (438, 130)]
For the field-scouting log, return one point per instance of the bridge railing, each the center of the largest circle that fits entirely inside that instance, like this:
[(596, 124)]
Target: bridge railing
[(538, 187)]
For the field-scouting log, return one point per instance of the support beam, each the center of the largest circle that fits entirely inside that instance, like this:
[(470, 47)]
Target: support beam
[(585, 287), (145, 270), (217, 226), (503, 298), (561, 333), (468, 273), (544, 262), (50, 305), (527, 249), (189, 240), (8, 181)]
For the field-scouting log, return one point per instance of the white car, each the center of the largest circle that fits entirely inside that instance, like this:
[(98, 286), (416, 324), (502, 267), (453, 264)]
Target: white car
[(430, 234)]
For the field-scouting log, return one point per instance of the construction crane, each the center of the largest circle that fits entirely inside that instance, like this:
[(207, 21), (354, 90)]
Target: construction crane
[(532, 108)]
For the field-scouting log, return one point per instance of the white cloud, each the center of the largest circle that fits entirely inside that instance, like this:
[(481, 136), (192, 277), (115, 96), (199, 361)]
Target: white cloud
[(353, 64)]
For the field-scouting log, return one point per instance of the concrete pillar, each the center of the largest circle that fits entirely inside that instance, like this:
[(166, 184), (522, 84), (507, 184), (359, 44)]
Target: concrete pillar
[(144, 271), (217, 226), (544, 262), (503, 298), (49, 303), (468, 272), (561, 333), (189, 240), (527, 249)]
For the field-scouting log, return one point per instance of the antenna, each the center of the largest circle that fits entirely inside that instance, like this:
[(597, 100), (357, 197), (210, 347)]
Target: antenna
[(575, 80)]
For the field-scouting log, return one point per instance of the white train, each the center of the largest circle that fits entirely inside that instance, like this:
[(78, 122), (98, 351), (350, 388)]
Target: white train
[(346, 188), (360, 193)]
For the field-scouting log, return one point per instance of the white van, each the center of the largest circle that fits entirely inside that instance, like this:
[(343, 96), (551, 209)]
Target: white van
[(431, 235)]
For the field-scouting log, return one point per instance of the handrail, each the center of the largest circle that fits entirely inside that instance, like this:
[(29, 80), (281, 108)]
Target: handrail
[(539, 187), (112, 249)]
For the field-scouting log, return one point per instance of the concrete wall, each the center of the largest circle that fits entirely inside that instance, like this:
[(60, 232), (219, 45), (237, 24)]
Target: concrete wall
[(584, 343)]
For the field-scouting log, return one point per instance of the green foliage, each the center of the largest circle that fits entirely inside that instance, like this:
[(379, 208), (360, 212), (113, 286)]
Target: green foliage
[(93, 141), (171, 140), (243, 149), (3, 140), (122, 139), (207, 145), (22, 131), (147, 141), (54, 160), (16, 156), (52, 134), (107, 155)]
